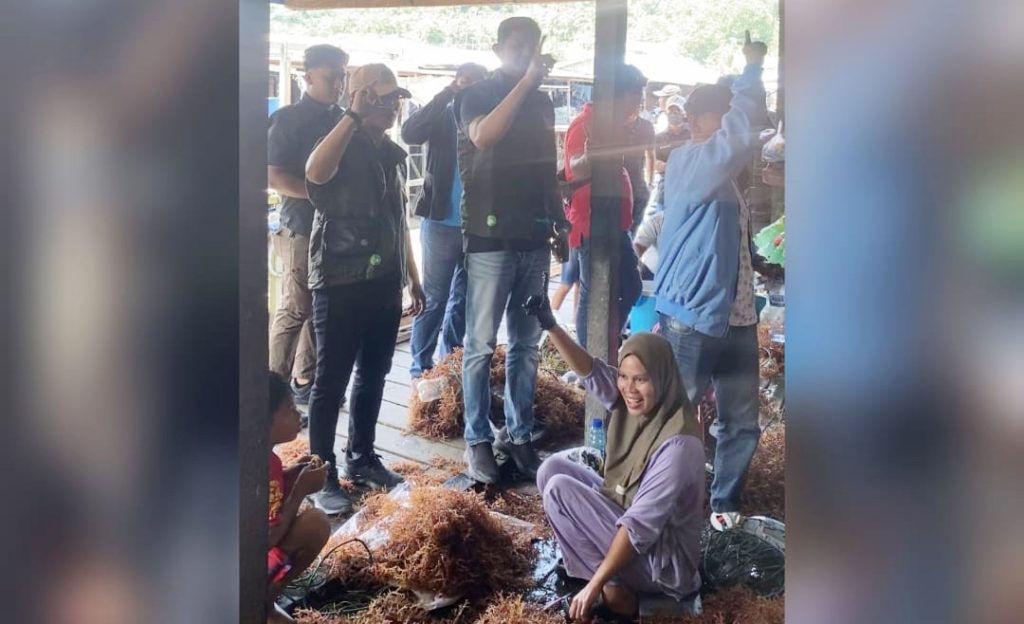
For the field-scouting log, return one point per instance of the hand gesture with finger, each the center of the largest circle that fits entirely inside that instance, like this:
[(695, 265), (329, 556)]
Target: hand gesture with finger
[(540, 66), (754, 51), (364, 99)]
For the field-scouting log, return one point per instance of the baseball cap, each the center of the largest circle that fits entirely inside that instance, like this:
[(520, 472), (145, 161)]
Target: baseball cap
[(387, 84), (668, 90), (709, 99), (676, 100)]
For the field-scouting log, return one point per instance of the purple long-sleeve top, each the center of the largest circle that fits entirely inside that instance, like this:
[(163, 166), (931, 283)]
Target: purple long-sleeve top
[(667, 515)]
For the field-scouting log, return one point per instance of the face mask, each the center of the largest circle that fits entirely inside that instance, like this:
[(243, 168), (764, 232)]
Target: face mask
[(675, 119)]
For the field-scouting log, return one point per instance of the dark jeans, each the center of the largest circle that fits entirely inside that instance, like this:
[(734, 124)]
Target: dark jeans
[(355, 325), (629, 284), (444, 284), (730, 363)]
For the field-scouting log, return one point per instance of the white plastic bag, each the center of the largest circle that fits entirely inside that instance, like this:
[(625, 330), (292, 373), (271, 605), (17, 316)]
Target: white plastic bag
[(774, 151)]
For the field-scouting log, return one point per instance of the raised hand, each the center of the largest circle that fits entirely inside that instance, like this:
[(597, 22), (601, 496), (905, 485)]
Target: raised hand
[(754, 51)]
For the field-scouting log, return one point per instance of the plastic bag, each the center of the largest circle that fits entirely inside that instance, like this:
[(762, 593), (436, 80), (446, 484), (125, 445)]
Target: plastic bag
[(771, 242), (774, 150)]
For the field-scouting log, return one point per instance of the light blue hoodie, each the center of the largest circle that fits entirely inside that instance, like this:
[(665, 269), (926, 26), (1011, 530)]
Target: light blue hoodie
[(698, 248)]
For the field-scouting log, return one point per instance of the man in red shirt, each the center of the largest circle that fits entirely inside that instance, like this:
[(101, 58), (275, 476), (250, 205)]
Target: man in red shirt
[(626, 108)]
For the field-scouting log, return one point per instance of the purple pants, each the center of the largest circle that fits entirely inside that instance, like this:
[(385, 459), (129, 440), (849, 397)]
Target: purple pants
[(583, 520)]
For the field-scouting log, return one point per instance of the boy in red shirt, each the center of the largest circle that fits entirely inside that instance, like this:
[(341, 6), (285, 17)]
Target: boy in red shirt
[(295, 538)]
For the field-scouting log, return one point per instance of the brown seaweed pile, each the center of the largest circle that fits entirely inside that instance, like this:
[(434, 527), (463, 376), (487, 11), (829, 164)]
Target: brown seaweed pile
[(558, 406), (442, 541), (765, 490), (736, 605)]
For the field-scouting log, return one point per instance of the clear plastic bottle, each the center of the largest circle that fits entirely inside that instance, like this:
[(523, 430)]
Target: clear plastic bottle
[(596, 435)]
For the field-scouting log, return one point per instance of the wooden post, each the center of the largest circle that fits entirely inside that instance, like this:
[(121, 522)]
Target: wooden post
[(253, 442), (606, 193)]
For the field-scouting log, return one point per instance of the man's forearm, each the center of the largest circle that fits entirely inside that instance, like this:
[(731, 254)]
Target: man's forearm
[(285, 183), (410, 262), (619, 555), (487, 130), (323, 162)]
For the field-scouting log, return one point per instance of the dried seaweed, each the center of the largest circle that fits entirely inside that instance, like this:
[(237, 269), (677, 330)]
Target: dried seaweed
[(446, 542), (291, 452), (526, 507), (436, 473), (765, 490), (551, 360), (736, 605), (507, 609), (558, 406)]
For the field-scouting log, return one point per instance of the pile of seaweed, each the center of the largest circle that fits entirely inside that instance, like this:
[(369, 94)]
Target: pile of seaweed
[(557, 406)]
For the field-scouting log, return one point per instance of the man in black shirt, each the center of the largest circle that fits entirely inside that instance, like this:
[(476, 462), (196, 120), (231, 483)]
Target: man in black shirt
[(676, 135), (360, 258), (294, 130), (510, 208)]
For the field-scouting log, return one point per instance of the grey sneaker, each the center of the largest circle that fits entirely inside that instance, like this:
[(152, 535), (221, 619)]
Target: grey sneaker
[(333, 500), (526, 459), (480, 464), (371, 472)]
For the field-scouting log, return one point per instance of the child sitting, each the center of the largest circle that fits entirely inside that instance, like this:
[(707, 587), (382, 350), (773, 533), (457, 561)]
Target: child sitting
[(295, 538)]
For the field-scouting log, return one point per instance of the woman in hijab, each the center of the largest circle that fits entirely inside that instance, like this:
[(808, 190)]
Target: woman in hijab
[(636, 527)]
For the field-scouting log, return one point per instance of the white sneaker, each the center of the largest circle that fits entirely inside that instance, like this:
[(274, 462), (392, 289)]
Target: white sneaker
[(725, 520)]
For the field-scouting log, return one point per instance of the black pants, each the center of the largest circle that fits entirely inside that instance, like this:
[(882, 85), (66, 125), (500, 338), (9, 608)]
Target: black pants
[(355, 325)]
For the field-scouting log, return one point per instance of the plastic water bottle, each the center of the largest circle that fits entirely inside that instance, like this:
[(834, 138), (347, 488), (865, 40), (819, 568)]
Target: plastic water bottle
[(595, 436)]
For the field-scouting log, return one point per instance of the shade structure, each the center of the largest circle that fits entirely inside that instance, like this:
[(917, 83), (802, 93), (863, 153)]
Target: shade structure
[(381, 4)]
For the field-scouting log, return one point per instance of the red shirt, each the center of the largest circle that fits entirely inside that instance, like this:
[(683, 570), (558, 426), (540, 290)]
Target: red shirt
[(278, 489), (579, 205)]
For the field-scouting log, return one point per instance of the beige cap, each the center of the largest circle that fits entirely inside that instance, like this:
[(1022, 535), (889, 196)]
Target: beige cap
[(365, 75)]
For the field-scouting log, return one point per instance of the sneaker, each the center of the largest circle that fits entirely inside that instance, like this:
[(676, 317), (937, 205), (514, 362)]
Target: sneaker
[(480, 464), (502, 441), (525, 458), (725, 520), (301, 393), (332, 500), (372, 472)]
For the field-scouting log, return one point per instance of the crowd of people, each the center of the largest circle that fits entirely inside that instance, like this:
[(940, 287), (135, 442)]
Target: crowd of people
[(493, 208)]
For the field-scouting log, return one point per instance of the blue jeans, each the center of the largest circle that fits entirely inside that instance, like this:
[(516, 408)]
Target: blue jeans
[(571, 269), (730, 363), (500, 281), (444, 283), (630, 286)]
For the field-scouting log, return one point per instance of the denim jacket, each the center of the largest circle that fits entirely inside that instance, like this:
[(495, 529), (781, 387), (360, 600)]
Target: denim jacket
[(698, 248)]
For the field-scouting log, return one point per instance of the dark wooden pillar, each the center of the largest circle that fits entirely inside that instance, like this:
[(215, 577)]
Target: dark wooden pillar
[(606, 190), (253, 442)]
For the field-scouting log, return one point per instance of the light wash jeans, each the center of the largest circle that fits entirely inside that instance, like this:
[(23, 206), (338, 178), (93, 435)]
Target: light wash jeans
[(730, 363), (444, 284), (500, 282)]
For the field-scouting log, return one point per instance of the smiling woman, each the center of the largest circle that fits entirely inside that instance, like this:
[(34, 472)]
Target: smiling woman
[(648, 502)]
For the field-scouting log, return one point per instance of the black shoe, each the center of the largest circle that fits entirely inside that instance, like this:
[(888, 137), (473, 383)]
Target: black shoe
[(372, 472), (333, 500), (480, 464), (300, 394), (525, 458)]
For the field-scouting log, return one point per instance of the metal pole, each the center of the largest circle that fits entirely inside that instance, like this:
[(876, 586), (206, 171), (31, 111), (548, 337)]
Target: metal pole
[(606, 192), (253, 441)]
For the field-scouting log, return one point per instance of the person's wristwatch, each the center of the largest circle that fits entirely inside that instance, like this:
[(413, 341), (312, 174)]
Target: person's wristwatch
[(354, 115)]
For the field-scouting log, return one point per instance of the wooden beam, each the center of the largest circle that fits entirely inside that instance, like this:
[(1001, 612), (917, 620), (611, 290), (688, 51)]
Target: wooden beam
[(253, 441), (606, 193)]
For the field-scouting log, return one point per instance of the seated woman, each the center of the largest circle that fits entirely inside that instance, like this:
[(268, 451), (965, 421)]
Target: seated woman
[(637, 527)]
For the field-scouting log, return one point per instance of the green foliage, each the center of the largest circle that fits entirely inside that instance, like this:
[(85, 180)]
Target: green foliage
[(707, 31)]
